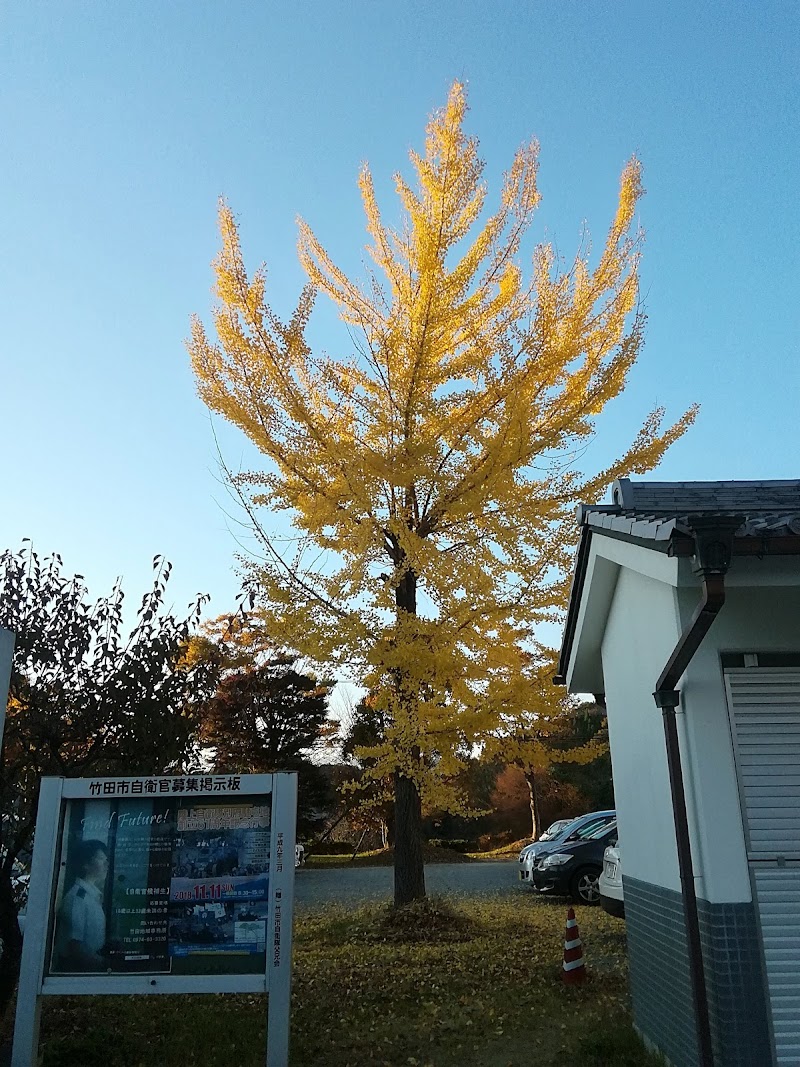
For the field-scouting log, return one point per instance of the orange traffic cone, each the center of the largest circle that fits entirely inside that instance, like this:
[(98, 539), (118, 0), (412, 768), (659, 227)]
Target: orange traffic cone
[(574, 969)]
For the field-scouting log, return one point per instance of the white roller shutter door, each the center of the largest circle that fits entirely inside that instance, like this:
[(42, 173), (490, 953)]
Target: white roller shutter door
[(777, 894), (765, 719)]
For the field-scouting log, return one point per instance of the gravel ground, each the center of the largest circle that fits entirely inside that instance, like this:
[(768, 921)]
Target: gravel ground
[(318, 886)]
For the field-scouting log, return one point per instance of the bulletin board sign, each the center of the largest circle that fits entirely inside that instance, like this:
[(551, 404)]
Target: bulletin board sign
[(181, 884)]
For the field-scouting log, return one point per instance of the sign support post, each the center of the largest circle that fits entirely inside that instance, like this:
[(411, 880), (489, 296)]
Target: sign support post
[(34, 944), (279, 960)]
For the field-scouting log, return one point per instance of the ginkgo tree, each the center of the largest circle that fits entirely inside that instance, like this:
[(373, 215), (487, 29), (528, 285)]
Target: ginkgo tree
[(430, 475)]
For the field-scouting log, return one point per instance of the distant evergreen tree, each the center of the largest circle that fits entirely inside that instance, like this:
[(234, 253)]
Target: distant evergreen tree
[(267, 715)]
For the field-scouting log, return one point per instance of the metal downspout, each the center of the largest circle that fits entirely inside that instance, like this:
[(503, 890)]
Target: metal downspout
[(713, 542)]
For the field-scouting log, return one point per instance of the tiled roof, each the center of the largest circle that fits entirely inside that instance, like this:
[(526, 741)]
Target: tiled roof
[(664, 516), (655, 511), (707, 496)]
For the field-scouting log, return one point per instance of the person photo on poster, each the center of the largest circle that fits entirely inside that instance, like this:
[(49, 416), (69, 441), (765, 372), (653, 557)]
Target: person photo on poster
[(159, 886), (81, 920)]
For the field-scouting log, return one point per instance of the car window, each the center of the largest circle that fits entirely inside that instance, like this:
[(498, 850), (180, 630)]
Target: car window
[(555, 828), (609, 829), (591, 829), (575, 830), (568, 830)]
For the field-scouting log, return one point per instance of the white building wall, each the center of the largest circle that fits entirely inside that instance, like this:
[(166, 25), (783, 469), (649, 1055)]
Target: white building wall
[(642, 628), (622, 649), (753, 619)]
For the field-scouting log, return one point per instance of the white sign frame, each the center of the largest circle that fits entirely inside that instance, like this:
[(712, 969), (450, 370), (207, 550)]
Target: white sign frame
[(276, 980)]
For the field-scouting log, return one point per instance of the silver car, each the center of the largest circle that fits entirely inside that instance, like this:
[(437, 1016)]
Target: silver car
[(554, 828), (575, 830)]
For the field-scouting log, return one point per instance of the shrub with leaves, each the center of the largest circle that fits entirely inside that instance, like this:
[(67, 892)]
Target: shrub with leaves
[(86, 698)]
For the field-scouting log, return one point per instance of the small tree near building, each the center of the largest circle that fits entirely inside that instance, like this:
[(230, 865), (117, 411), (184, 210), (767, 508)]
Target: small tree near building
[(549, 734)]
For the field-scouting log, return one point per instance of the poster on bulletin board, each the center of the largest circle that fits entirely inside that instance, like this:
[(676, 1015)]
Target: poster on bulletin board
[(161, 885)]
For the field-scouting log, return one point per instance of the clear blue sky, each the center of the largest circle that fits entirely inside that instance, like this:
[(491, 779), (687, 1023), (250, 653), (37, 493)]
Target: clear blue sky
[(121, 124)]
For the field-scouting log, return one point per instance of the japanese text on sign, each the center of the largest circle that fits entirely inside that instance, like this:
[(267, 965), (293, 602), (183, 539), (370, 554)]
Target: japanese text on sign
[(150, 786)]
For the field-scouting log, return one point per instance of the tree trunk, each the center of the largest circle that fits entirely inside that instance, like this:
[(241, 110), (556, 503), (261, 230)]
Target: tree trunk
[(536, 828), (388, 822), (358, 846), (12, 943), (409, 865), (310, 851)]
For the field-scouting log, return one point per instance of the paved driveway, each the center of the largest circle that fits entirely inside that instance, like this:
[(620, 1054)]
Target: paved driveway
[(356, 884)]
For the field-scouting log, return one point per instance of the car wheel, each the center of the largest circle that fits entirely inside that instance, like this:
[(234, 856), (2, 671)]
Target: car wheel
[(585, 887)]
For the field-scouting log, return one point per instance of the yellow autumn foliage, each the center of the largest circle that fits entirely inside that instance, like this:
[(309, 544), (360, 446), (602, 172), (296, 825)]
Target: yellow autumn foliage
[(535, 732), (431, 476)]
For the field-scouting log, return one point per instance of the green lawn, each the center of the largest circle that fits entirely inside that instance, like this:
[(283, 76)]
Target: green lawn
[(488, 995)]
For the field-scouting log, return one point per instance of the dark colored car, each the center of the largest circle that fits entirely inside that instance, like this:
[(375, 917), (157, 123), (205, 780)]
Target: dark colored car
[(575, 830), (574, 869)]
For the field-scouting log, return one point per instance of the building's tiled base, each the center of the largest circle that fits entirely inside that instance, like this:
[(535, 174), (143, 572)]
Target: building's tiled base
[(660, 986)]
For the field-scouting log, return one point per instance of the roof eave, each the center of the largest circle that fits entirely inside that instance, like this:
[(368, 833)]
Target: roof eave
[(678, 544)]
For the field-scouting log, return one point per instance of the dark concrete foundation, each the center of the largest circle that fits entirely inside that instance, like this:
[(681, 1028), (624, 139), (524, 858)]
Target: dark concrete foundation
[(660, 986)]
